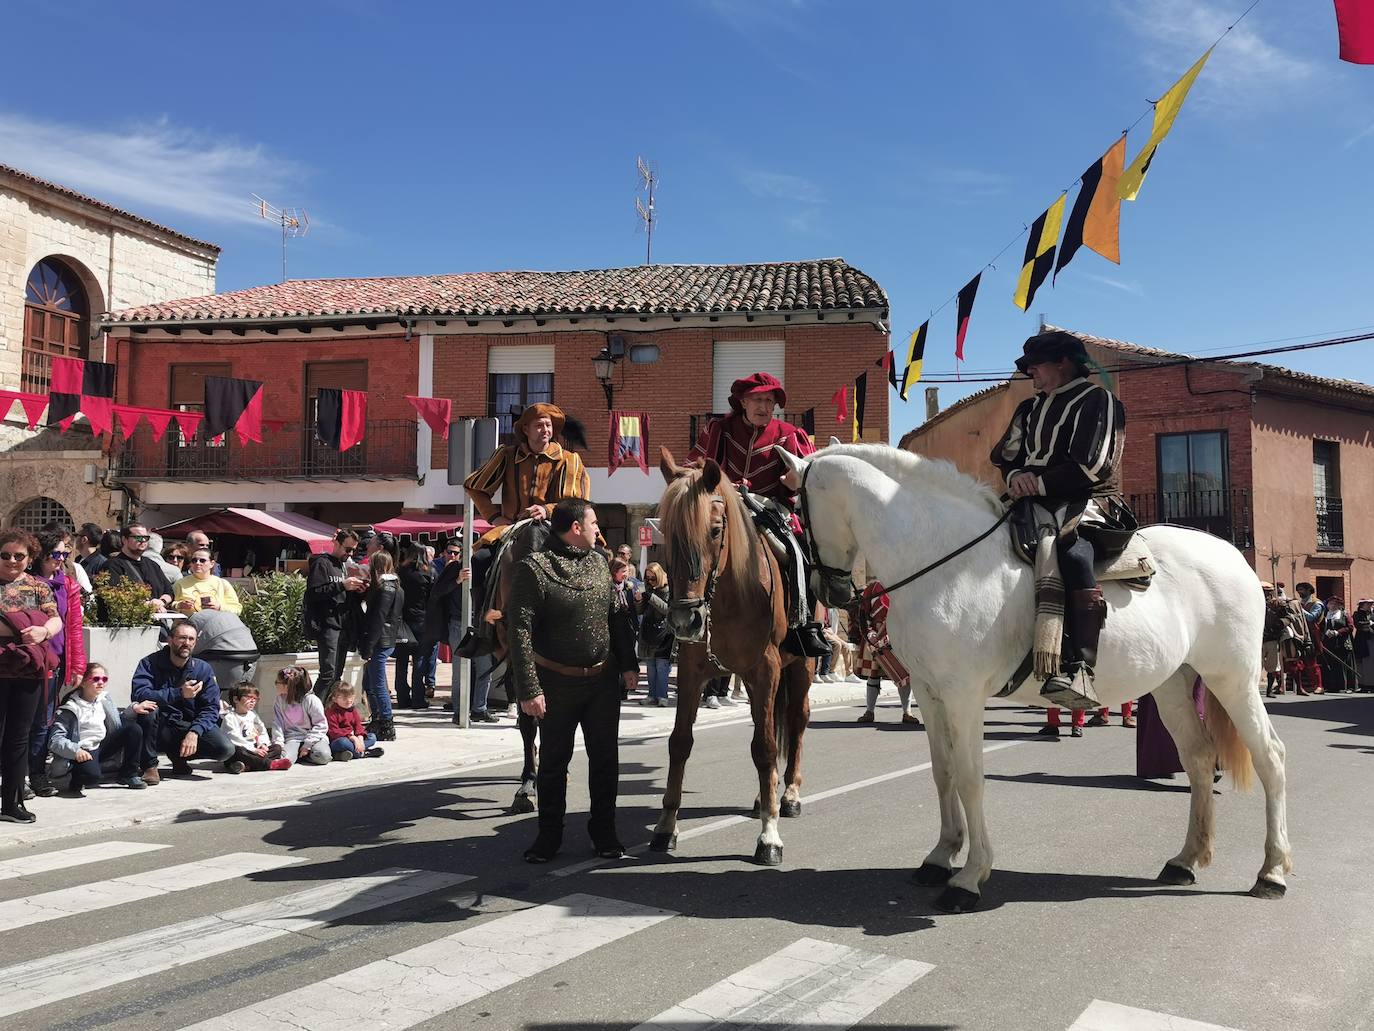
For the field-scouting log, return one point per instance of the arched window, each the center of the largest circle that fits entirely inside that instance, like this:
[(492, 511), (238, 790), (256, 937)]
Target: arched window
[(56, 321), (39, 512)]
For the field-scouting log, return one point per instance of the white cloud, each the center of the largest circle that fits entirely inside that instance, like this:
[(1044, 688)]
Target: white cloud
[(781, 186), (1176, 32), (1363, 134), (1125, 286), (154, 166)]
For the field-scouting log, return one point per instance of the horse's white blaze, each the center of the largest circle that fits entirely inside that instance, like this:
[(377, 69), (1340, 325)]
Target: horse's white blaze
[(963, 629)]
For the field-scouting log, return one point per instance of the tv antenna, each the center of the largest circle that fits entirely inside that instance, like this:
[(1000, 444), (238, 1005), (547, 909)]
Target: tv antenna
[(648, 175), (293, 222)]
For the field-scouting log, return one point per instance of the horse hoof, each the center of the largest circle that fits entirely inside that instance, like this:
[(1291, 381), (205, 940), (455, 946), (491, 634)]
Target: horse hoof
[(1175, 874), (768, 855), (789, 807), (663, 842), (1268, 889), (929, 875), (522, 804), (956, 900)]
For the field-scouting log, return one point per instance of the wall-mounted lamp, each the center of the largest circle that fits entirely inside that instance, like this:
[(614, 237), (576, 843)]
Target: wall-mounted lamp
[(603, 365)]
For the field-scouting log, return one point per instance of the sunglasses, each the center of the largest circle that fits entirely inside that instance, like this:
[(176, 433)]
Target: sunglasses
[(58, 554), (100, 680), (13, 556), (455, 554), (142, 538), (197, 561)]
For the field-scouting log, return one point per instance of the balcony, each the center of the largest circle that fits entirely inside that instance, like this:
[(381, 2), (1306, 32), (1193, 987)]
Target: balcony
[(697, 423), (291, 453), (1330, 524), (1222, 513)]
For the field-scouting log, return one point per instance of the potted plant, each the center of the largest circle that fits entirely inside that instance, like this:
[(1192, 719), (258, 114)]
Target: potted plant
[(119, 631), (274, 614)]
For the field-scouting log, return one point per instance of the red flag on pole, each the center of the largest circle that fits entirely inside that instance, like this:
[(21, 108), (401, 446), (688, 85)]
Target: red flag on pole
[(966, 296), (1355, 23), (840, 399), (436, 411)]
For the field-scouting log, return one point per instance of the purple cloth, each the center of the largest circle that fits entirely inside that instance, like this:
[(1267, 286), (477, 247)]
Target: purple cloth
[(1156, 755), (58, 583)]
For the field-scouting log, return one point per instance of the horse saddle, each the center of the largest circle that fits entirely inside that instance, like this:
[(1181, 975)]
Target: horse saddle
[(1121, 553)]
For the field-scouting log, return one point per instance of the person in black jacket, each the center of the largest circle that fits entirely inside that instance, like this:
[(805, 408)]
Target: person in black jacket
[(415, 655), (655, 639), (382, 625), (326, 607), (132, 564)]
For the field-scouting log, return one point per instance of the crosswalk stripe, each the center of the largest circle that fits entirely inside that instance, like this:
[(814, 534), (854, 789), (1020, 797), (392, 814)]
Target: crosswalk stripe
[(421, 983), (1111, 1016), (46, 862), (65, 975), (808, 984), (86, 898)]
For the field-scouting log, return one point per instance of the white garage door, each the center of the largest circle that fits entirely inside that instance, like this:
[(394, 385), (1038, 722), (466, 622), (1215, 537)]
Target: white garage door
[(735, 360)]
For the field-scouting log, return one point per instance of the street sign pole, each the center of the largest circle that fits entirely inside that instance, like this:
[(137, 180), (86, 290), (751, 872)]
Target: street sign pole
[(471, 443)]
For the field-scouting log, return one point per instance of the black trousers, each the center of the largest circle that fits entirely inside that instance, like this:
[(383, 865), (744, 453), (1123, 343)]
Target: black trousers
[(18, 699), (213, 744), (1076, 557), (333, 655), (126, 740), (593, 705)]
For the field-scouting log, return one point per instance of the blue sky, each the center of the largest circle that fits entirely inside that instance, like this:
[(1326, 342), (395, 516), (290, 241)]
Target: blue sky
[(912, 138)]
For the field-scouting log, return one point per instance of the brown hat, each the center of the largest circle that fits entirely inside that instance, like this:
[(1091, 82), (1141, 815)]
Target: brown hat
[(537, 411)]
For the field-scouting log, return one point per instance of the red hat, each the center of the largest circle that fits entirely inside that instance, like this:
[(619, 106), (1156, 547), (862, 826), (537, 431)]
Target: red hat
[(758, 383)]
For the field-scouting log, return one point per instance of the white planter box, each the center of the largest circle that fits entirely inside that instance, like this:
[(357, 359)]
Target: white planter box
[(119, 650)]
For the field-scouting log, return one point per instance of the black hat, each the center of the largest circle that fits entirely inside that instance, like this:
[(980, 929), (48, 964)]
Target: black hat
[(1050, 346)]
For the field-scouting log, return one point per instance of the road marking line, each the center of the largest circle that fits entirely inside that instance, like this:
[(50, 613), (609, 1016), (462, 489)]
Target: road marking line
[(421, 983), (731, 821), (86, 898), (46, 862), (1110, 1016), (808, 984), (65, 975)]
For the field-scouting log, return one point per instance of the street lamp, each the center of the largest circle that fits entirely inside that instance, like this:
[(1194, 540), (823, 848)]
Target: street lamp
[(603, 365)]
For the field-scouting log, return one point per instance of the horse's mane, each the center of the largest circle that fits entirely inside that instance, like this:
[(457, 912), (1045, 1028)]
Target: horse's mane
[(684, 512), (911, 469)]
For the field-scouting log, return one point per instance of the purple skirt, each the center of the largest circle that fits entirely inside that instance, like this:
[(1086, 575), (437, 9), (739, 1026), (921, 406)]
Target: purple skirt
[(1156, 755)]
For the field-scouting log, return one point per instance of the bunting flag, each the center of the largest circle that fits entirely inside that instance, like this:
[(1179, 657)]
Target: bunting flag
[(436, 411), (808, 423), (33, 405), (1355, 24), (888, 363), (188, 423), (1039, 259), (840, 399), (915, 358), (340, 417), (860, 397), (158, 420), (966, 296), (129, 418), (1166, 110), (1095, 221), (76, 385), (629, 441), (233, 404)]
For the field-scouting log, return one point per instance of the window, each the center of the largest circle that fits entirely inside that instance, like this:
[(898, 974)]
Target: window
[(1193, 479), (56, 322), (186, 393), (39, 512), (1326, 495), (733, 361), (517, 375), (320, 458)]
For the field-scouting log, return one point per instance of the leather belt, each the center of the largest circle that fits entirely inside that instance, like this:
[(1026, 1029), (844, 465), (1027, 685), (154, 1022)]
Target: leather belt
[(570, 671)]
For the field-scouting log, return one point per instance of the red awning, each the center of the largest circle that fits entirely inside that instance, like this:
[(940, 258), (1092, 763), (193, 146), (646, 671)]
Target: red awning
[(432, 524), (253, 522)]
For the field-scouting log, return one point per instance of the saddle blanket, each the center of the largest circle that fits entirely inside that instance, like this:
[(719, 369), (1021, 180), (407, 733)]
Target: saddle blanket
[(1136, 563)]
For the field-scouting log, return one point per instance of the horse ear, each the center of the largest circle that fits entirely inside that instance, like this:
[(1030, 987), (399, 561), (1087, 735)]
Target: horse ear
[(792, 479), (710, 477), (668, 466), (834, 442)]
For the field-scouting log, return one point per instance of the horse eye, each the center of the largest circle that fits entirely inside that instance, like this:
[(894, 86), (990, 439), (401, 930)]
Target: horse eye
[(716, 532)]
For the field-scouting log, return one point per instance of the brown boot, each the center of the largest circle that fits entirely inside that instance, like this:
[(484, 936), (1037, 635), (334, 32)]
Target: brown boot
[(151, 776)]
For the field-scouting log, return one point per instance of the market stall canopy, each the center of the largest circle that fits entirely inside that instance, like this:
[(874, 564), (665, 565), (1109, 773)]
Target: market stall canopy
[(433, 525), (253, 522)]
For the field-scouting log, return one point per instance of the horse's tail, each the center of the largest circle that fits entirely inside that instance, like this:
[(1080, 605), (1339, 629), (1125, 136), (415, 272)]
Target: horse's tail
[(1231, 751)]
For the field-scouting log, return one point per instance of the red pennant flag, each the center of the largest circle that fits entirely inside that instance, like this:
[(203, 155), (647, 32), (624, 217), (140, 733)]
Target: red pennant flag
[(249, 425), (99, 412), (1355, 23), (274, 425), (158, 420), (436, 411), (840, 399), (888, 366), (188, 423), (128, 419), (966, 296), (33, 408)]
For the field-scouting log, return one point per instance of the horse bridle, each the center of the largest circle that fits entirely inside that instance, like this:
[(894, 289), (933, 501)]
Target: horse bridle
[(703, 604), (813, 550)]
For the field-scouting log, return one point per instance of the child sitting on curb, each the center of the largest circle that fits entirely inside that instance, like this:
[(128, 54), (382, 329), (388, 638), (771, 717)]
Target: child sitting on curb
[(90, 725), (348, 738), (253, 748), (298, 724)]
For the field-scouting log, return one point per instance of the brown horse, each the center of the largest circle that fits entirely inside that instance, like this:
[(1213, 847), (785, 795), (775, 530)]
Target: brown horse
[(729, 614)]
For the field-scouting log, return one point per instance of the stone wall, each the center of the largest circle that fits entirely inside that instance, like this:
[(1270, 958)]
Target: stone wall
[(60, 475)]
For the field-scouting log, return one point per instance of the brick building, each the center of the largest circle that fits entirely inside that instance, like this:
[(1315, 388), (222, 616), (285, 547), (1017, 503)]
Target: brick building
[(492, 342), (1271, 459), (64, 259)]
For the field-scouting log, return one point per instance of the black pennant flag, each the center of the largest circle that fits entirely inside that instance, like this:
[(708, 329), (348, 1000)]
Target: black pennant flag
[(233, 404)]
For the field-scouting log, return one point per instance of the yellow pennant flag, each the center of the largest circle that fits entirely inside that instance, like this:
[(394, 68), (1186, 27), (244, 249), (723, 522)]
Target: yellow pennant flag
[(915, 358), (1166, 110), (1039, 259)]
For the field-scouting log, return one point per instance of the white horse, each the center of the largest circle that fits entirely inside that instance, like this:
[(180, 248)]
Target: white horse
[(964, 628)]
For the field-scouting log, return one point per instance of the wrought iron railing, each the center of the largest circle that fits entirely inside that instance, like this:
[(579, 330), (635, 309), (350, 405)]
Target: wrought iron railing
[(1330, 524), (292, 452), (1223, 513)]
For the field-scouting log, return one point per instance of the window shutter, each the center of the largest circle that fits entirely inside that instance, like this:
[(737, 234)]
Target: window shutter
[(734, 360), (520, 358)]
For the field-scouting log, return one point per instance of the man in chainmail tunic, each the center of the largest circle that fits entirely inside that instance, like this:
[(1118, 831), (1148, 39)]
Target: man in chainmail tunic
[(567, 673)]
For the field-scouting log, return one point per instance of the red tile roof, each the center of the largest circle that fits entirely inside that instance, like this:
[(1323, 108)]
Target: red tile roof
[(789, 286), (66, 191)]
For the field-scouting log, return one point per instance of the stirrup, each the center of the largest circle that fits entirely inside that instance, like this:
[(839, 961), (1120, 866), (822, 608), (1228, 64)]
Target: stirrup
[(807, 639), (1072, 690)]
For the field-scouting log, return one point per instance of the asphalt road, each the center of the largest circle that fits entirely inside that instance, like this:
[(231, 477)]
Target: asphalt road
[(235, 920)]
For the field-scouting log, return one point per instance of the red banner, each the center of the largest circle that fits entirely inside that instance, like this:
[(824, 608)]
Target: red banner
[(436, 411)]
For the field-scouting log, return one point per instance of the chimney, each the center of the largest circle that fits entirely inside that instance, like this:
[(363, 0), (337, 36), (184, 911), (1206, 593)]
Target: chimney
[(932, 402)]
